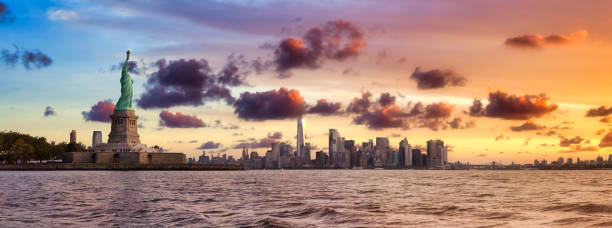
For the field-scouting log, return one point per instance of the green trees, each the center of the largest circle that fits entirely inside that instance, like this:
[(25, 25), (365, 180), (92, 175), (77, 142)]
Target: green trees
[(21, 152), (15, 147)]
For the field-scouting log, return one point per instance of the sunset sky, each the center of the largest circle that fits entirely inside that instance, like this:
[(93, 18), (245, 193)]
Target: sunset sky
[(221, 75)]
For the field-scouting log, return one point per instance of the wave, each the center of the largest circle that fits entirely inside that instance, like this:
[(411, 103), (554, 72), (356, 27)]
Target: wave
[(587, 208)]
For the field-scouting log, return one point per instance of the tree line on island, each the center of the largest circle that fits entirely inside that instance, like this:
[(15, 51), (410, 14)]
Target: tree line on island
[(16, 148)]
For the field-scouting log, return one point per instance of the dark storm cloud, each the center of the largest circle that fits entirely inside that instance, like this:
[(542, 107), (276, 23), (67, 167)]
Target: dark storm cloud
[(377, 116), (386, 99), (274, 104), (527, 126), (6, 16), (179, 120), (601, 111), (325, 108), (535, 41), (435, 79), (335, 40), (185, 82), (235, 71), (31, 59), (209, 145), (100, 112), (506, 106), (566, 142), (385, 117), (49, 111), (360, 105)]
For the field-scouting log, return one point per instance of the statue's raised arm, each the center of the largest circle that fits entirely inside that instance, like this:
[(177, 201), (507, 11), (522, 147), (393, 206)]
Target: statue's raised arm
[(125, 101)]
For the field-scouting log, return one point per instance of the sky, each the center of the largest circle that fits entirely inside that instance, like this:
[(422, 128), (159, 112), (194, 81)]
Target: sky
[(507, 81)]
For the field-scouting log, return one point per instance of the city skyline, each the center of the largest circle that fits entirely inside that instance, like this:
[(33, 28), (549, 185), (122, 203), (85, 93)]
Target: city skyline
[(411, 73)]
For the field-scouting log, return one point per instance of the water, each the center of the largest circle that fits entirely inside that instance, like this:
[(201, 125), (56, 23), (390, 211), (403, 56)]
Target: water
[(300, 198)]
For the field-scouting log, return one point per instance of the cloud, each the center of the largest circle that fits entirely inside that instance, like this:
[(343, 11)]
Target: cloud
[(385, 117), (459, 123), (566, 142), (179, 120), (62, 15), (360, 105), (580, 148), (350, 71), (334, 40), (49, 111), (606, 119), (386, 99), (501, 137), (435, 79), (506, 106), (6, 16), (548, 133), (31, 59), (601, 111), (134, 67), (535, 41), (219, 124), (325, 108), (275, 135), (438, 110), (606, 141), (396, 135), (528, 126), (384, 113), (274, 104), (600, 131), (235, 71), (209, 145), (100, 112), (526, 143), (185, 82), (261, 143)]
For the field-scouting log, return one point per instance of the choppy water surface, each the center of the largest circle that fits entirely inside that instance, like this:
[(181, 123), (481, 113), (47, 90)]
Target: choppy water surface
[(299, 198)]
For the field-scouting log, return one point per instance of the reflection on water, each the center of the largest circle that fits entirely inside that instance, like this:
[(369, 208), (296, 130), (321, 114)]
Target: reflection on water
[(300, 198)]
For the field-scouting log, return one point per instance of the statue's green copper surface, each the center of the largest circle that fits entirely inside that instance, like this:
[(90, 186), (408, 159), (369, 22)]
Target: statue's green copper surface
[(125, 101)]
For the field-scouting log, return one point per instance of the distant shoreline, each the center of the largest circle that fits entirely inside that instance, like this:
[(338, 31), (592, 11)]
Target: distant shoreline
[(124, 167)]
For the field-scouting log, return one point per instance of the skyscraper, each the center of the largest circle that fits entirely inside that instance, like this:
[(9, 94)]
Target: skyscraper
[(73, 136), (96, 139), (334, 142), (435, 154), (381, 150), (405, 153), (300, 139)]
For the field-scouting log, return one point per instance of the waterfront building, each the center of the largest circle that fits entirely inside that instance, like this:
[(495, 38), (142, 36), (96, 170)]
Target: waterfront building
[(73, 138), (417, 158), (334, 144), (599, 159), (381, 151), (436, 154), (405, 153), (301, 154), (610, 159), (96, 139), (560, 161)]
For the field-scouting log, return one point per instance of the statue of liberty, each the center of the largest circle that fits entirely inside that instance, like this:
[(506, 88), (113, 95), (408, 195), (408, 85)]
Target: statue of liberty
[(125, 101)]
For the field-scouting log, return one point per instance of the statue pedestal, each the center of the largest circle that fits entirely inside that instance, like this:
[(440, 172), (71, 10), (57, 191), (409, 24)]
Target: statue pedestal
[(124, 127)]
